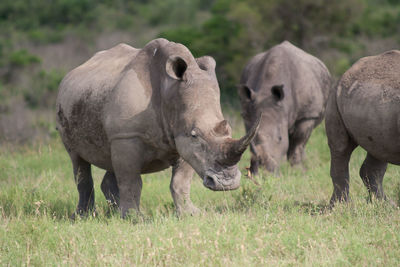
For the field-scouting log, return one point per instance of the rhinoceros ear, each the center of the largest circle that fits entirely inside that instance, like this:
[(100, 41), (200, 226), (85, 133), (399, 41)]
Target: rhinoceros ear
[(245, 92), (176, 67), (277, 92), (206, 63)]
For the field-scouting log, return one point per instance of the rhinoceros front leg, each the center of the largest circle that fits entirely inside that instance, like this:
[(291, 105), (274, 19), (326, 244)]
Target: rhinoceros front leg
[(372, 172), (182, 174), (298, 141), (126, 156), (110, 190), (254, 162)]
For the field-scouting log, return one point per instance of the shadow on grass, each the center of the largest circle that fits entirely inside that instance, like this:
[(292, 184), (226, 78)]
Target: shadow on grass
[(312, 208), (249, 197)]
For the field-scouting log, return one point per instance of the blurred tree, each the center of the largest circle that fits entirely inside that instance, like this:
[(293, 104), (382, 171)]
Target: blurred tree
[(238, 29), (303, 20)]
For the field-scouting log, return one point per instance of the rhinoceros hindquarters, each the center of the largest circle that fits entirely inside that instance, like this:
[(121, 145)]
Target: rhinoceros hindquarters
[(363, 111)]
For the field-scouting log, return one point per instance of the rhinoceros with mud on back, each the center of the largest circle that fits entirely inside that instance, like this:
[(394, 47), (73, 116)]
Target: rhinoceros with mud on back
[(289, 88), (133, 111), (364, 110)]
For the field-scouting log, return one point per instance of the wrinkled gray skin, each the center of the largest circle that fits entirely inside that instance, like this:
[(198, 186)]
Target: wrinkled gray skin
[(290, 88), (364, 110), (132, 111)]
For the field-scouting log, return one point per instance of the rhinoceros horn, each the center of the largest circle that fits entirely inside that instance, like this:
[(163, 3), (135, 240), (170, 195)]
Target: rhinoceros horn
[(235, 148)]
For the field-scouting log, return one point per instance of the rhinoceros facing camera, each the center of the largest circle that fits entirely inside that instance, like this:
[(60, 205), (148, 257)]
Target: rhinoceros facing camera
[(132, 111)]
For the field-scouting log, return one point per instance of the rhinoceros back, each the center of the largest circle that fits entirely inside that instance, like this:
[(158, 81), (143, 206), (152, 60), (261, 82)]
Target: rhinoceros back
[(311, 82), (82, 96)]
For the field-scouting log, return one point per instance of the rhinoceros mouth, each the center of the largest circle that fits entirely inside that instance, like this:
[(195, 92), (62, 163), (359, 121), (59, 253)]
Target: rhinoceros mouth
[(221, 181)]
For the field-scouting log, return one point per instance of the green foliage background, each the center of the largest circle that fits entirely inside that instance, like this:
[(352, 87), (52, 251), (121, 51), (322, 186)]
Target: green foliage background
[(335, 31)]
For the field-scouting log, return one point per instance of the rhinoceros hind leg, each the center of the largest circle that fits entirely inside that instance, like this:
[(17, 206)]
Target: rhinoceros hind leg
[(340, 173), (372, 172), (182, 174), (298, 140), (341, 146), (126, 156), (84, 182), (110, 190)]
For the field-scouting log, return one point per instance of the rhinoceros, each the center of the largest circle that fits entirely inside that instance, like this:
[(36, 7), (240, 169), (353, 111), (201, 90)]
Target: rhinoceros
[(134, 111), (364, 110), (290, 89)]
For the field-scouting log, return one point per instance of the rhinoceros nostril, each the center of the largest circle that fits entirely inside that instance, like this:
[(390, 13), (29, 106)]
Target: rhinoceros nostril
[(209, 182)]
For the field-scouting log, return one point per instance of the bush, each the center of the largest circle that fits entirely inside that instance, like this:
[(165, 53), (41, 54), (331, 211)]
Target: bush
[(21, 58), (44, 89), (25, 15), (45, 36), (341, 66)]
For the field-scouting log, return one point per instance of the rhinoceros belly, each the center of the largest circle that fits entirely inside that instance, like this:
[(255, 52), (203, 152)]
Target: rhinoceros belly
[(371, 114)]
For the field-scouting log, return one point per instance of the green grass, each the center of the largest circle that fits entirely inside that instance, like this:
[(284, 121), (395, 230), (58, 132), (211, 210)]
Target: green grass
[(282, 222)]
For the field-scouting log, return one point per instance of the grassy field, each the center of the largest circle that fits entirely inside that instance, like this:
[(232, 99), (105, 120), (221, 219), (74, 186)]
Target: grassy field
[(282, 222)]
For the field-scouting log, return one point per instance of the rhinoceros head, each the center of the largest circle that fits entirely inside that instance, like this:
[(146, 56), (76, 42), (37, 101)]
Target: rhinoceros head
[(191, 111), (271, 141)]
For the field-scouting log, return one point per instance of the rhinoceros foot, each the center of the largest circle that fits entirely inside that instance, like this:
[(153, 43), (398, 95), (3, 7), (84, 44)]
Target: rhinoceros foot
[(81, 214), (188, 210)]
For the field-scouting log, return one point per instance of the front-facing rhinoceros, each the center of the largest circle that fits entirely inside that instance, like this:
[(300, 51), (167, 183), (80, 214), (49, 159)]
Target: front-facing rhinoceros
[(365, 111), (290, 88), (133, 111)]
